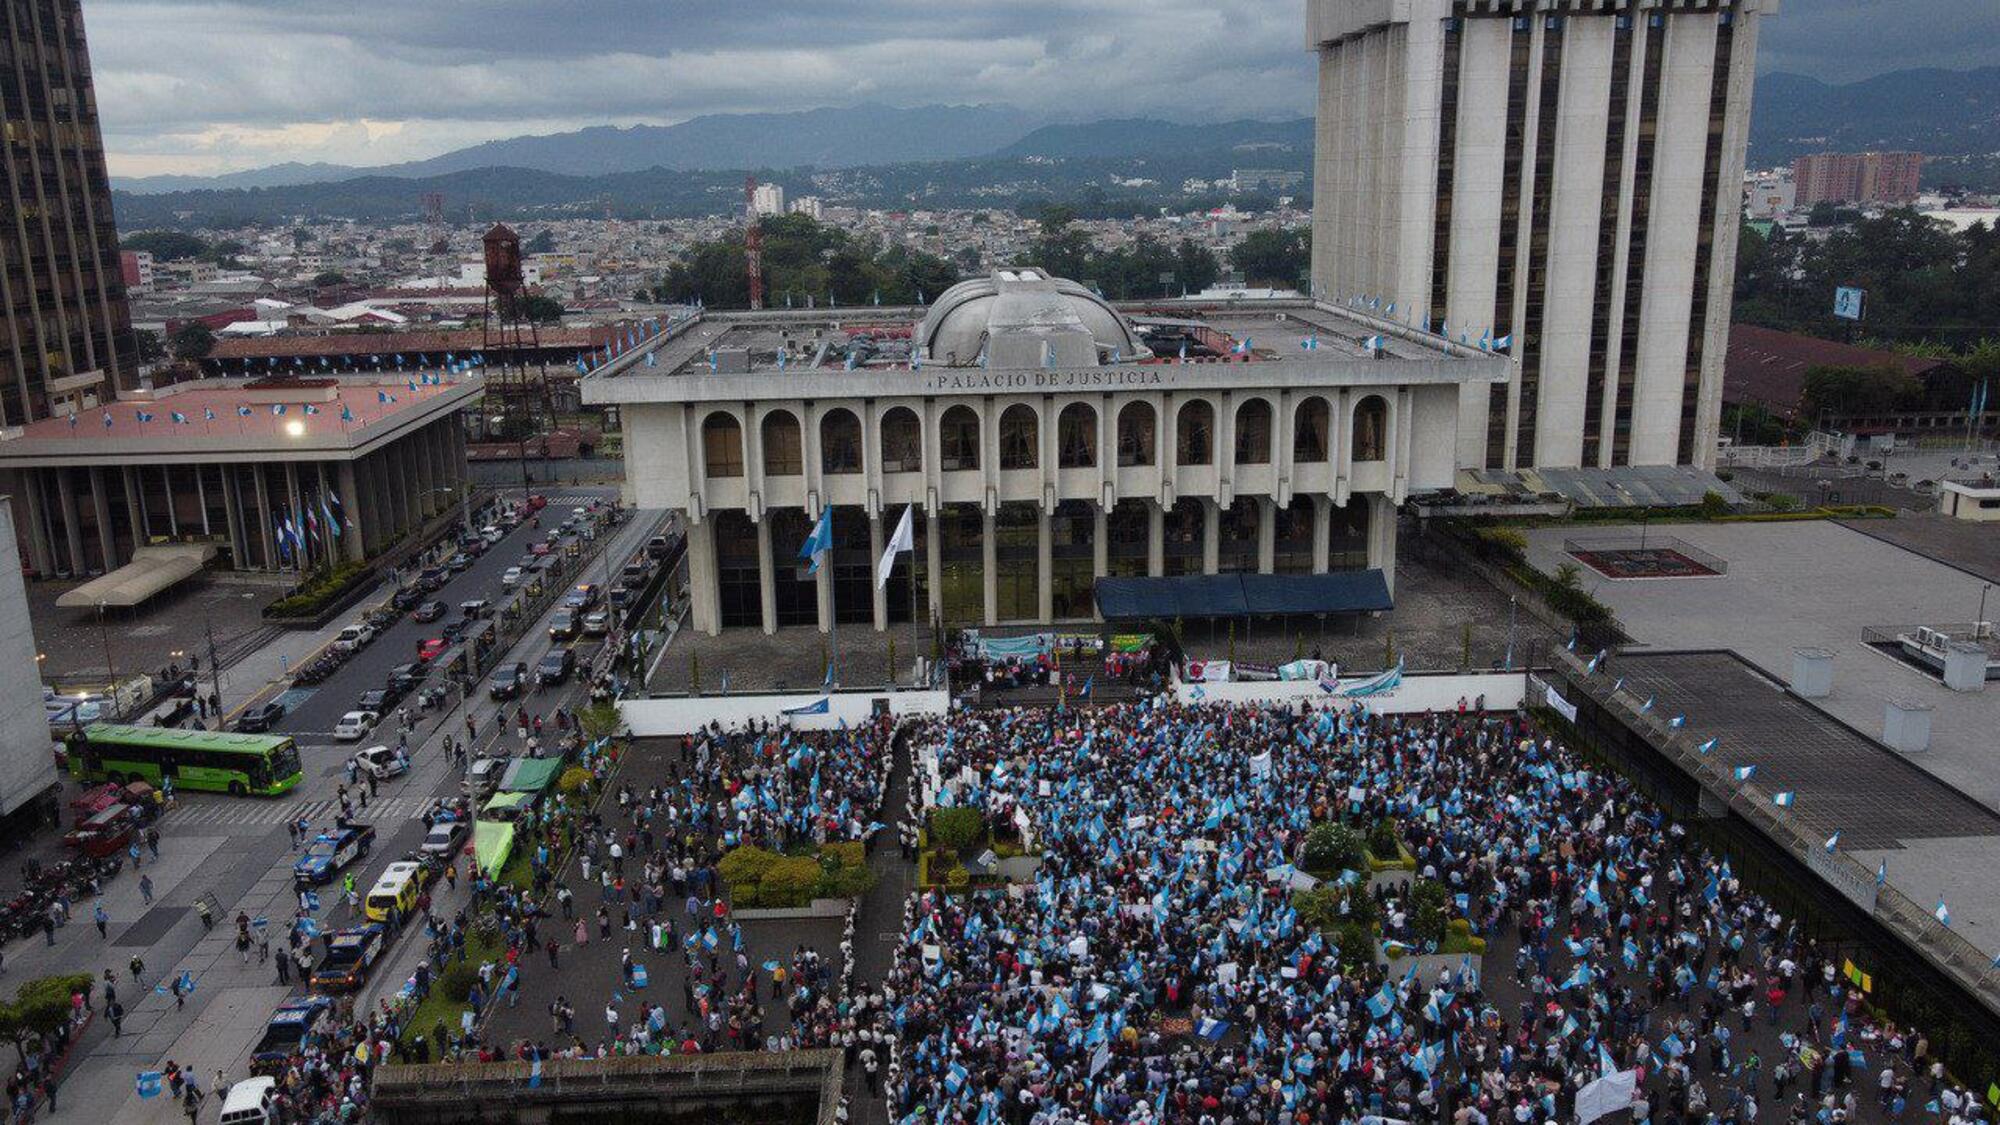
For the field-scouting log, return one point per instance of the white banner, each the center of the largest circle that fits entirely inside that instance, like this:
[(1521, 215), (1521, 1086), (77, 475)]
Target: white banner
[(1609, 1094), (1260, 765), (1558, 704)]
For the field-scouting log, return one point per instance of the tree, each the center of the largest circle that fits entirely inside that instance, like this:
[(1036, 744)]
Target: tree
[(329, 279), (1334, 847), (151, 349), (1273, 257), (193, 340), (543, 242), (541, 309), (599, 720), (1196, 266), (1844, 391), (166, 245), (39, 1007)]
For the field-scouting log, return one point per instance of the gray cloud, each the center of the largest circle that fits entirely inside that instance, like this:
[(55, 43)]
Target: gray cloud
[(209, 85)]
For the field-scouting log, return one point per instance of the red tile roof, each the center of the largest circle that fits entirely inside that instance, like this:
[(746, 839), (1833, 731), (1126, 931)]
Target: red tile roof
[(1768, 368)]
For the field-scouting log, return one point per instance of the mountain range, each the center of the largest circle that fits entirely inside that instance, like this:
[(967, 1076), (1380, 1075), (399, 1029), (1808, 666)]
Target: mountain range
[(1935, 112)]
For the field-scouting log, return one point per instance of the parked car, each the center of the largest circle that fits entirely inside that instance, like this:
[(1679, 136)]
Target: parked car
[(484, 776), (429, 611), (288, 1028), (583, 596), (444, 838), (407, 598), (556, 667), (596, 623), (459, 562), (432, 578), (537, 502), (260, 718), (431, 649), (507, 680), (404, 678), (353, 725), (352, 638), (510, 578), (330, 851), (540, 547), (491, 534), (377, 700), (381, 762), (656, 547), (477, 607)]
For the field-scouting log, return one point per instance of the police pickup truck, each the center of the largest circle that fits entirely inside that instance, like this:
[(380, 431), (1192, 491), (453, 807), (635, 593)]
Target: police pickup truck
[(330, 851), (287, 1031)]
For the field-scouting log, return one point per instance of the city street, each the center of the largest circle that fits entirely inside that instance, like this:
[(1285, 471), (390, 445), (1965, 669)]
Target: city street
[(236, 854)]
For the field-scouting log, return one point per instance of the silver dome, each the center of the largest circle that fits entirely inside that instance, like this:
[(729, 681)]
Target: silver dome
[(1022, 317)]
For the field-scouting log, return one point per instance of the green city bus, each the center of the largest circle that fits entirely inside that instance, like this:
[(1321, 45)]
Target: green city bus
[(238, 764)]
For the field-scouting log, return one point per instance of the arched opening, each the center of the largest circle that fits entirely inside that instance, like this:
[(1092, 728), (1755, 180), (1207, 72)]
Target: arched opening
[(902, 441), (722, 445), (958, 439), (782, 457), (1371, 429), (736, 571), (1309, 431), (1137, 426), (839, 442), (1020, 437), (1253, 433), (1076, 437), (1194, 442)]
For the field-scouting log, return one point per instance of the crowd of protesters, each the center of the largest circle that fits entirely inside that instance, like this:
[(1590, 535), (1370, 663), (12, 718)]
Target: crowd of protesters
[(1159, 969)]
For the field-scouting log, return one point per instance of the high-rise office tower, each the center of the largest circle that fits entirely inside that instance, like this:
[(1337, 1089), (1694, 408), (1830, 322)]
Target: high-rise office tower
[(68, 330), (1563, 177)]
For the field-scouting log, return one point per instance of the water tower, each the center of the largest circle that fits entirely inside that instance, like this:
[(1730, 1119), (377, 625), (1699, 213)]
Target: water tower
[(515, 378)]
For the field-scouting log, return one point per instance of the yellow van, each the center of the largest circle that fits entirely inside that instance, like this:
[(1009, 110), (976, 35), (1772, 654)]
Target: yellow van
[(394, 894)]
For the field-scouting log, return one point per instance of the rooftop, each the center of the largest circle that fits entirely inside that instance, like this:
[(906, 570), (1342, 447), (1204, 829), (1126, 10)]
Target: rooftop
[(216, 419), (1023, 323)]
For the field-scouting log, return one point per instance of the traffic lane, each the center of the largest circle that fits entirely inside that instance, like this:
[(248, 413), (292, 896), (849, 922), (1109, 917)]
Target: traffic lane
[(369, 668)]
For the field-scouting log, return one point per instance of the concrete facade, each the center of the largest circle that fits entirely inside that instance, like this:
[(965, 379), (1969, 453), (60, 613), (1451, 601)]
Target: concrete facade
[(1564, 177), (82, 503), (26, 766), (1030, 482)]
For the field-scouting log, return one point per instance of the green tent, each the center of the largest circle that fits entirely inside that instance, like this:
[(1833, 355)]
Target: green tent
[(531, 775), (506, 806), (492, 843)]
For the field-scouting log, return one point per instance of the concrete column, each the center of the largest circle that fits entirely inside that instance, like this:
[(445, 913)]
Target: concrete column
[(1211, 535), (879, 594), (1100, 549), (426, 474), (1156, 539), (1382, 538), (396, 482), (232, 516), (72, 528), (706, 612), (988, 564), (767, 578), (28, 506), (353, 543), (1267, 535), (381, 529), (263, 491), (1322, 532), (934, 559), (135, 504), (1045, 586), (100, 502)]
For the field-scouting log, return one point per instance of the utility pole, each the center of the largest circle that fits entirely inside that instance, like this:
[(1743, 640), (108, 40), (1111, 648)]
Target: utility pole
[(215, 675)]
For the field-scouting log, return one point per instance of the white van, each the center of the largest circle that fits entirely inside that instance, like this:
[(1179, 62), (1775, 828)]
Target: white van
[(253, 1101)]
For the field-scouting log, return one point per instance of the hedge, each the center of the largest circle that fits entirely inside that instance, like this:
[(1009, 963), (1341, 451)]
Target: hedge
[(321, 589)]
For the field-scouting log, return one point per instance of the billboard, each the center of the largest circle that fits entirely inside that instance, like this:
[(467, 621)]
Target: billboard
[(1847, 302)]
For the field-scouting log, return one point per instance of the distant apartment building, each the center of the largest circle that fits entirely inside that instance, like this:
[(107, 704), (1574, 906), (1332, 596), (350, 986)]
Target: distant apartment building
[(807, 205), (1767, 195), (1857, 177), (68, 329), (137, 268), (768, 199), (1266, 179)]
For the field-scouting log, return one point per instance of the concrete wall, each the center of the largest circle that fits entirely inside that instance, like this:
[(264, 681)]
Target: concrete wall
[(1503, 692), (26, 766), (656, 718)]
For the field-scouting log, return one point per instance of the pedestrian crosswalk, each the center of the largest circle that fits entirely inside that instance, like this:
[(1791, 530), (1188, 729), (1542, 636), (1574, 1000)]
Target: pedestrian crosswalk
[(226, 812), (575, 500)]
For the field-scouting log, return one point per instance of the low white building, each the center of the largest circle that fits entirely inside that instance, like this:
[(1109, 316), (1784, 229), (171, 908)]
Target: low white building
[(27, 769), (1044, 439)]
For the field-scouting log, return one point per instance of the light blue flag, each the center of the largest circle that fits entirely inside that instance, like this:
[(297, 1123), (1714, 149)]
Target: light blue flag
[(819, 542)]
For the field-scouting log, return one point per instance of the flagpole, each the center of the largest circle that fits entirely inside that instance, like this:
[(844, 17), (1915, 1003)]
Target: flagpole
[(832, 605)]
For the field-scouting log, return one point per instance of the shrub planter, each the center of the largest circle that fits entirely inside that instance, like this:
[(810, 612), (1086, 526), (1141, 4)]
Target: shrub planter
[(1429, 965), (820, 908)]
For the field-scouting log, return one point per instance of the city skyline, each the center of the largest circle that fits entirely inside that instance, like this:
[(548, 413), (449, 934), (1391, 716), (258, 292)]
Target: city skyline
[(202, 88)]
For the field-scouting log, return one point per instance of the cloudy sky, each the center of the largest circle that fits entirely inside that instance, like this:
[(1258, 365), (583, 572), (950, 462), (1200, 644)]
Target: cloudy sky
[(205, 86)]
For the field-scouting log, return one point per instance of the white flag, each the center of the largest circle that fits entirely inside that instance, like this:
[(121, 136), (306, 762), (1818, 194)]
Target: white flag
[(905, 539)]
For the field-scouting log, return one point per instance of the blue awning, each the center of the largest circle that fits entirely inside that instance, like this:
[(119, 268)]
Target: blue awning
[(1238, 595)]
